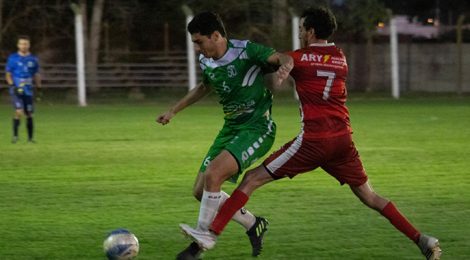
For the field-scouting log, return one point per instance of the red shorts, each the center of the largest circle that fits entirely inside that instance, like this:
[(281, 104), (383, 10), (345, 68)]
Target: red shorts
[(337, 156)]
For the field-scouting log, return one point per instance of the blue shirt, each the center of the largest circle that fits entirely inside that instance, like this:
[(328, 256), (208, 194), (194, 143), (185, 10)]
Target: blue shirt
[(22, 70)]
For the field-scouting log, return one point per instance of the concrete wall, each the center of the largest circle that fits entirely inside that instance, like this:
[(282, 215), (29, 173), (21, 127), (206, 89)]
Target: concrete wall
[(423, 67)]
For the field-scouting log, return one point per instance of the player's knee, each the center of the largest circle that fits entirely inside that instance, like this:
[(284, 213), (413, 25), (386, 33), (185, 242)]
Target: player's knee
[(213, 178), (252, 179)]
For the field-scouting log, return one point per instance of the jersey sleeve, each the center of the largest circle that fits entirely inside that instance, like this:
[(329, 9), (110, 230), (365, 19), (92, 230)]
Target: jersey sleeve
[(10, 64), (259, 53)]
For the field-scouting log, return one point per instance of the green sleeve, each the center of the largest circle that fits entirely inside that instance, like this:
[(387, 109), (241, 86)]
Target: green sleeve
[(259, 53)]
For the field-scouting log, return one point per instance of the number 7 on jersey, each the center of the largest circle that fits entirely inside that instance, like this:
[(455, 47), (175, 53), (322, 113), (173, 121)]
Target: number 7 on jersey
[(329, 82)]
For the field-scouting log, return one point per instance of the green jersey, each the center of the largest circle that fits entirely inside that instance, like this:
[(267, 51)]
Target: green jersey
[(238, 79)]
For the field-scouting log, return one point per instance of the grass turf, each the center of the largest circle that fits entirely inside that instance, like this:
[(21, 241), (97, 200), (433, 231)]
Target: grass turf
[(108, 166)]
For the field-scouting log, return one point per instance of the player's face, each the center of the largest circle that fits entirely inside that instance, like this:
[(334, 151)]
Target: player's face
[(205, 45), (23, 45)]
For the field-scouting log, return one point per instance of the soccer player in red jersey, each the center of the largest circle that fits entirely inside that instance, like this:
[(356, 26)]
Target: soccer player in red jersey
[(320, 72)]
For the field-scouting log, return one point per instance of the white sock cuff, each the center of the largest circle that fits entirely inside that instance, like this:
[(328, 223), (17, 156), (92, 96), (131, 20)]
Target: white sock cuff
[(211, 195)]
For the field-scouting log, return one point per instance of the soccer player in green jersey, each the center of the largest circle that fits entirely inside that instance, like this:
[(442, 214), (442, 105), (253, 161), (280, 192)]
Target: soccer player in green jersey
[(235, 70)]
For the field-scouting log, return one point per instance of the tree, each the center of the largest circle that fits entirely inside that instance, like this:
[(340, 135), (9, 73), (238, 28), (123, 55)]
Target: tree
[(358, 19)]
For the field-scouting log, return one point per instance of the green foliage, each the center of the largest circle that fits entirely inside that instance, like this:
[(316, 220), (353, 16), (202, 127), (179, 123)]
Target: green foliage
[(102, 167), (360, 18)]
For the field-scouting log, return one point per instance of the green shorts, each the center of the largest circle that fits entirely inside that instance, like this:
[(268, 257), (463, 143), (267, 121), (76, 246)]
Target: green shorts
[(247, 144)]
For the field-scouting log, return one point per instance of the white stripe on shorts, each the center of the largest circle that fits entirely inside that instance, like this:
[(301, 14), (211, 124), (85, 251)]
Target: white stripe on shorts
[(286, 155)]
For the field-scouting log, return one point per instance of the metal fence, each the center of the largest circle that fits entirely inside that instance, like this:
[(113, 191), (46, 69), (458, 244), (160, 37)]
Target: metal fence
[(423, 68), (161, 72)]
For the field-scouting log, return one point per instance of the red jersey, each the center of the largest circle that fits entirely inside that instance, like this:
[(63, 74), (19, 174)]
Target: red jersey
[(320, 72)]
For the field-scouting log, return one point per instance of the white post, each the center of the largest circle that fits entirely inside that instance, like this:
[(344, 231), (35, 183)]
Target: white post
[(295, 38), (80, 54), (190, 50), (295, 33), (394, 59)]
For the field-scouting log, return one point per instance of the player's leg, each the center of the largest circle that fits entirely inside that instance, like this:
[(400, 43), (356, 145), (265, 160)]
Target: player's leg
[(429, 245), (18, 113), (291, 159), (220, 169), (198, 186), (239, 149), (243, 217), (206, 239), (29, 110), (345, 165), (252, 180), (16, 124), (385, 207)]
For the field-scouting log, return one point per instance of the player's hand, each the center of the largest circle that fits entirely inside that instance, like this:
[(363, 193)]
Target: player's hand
[(165, 117), (282, 73)]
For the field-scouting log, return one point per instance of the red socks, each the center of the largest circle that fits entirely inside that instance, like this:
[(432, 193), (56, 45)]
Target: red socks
[(400, 222), (237, 200)]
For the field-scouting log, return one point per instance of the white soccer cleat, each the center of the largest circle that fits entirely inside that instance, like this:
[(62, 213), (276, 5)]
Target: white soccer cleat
[(205, 239), (430, 247)]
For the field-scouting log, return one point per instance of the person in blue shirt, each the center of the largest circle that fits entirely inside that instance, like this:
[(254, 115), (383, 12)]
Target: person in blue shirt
[(22, 75)]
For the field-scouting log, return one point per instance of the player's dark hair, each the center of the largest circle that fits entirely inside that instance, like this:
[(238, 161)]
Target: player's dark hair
[(206, 23), (321, 20), (24, 37)]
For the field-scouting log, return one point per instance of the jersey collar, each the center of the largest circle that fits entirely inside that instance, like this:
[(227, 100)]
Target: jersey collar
[(230, 55), (322, 44)]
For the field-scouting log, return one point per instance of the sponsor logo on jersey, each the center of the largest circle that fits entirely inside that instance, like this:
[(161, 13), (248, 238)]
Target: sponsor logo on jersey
[(328, 60), (311, 57)]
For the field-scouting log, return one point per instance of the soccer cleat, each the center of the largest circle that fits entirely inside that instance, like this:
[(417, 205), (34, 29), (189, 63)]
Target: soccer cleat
[(256, 234), (205, 239), (192, 252), (14, 140), (31, 141), (429, 247)]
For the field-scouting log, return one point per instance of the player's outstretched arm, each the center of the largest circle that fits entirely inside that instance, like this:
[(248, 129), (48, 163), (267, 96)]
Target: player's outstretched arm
[(286, 64), (193, 96), (9, 78)]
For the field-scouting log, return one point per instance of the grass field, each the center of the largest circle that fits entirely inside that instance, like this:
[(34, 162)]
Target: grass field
[(103, 167)]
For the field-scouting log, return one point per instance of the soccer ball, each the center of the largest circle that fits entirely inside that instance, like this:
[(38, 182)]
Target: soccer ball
[(121, 244)]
